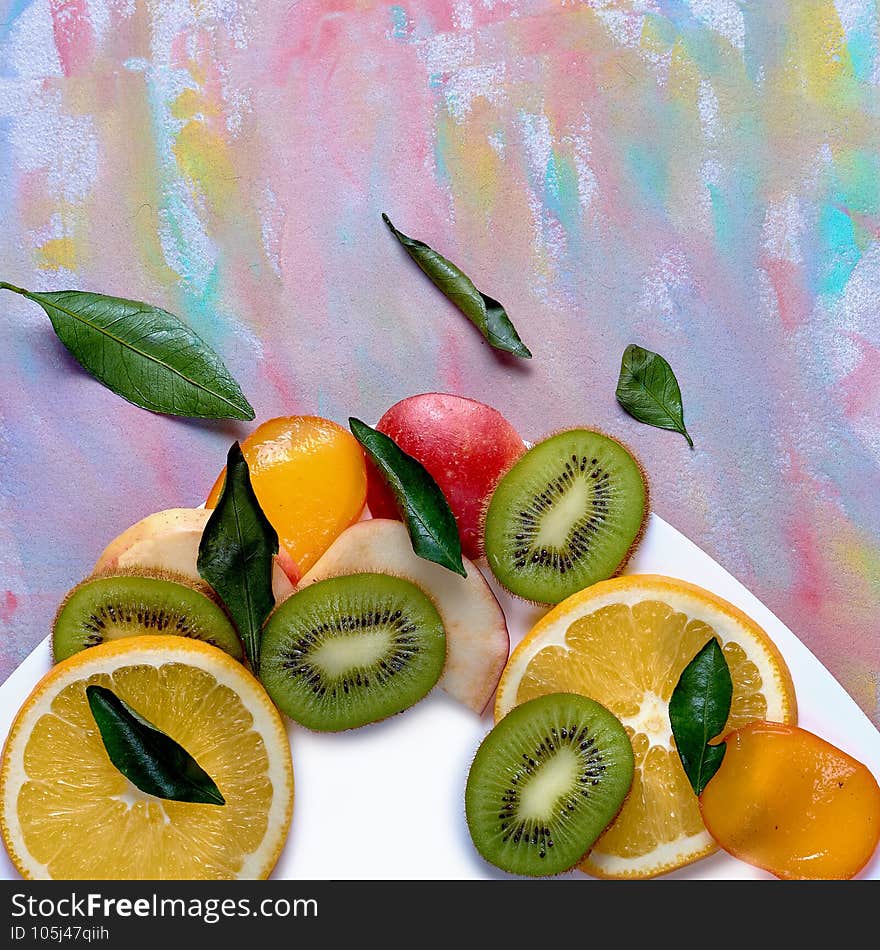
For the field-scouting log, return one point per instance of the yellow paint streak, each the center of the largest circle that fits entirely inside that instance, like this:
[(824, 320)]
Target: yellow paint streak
[(818, 61), (652, 40), (191, 103), (472, 163), (203, 158), (855, 557), (684, 78), (58, 253)]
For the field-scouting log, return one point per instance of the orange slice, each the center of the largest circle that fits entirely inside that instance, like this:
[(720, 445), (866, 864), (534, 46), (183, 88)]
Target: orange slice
[(68, 814), (624, 643)]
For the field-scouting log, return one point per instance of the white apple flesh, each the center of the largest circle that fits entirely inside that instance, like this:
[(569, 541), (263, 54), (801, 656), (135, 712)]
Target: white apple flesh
[(477, 641), (169, 541)]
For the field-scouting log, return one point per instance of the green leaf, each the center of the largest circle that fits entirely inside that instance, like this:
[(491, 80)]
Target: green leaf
[(486, 314), (698, 710), (648, 390), (429, 519), (146, 355), (236, 554), (146, 756)]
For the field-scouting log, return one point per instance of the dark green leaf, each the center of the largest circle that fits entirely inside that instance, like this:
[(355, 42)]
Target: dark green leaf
[(649, 391), (146, 756), (698, 710), (429, 519), (486, 314), (146, 355), (236, 554)]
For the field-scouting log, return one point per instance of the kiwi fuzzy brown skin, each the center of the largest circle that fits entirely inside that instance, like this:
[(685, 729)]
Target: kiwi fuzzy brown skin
[(152, 574), (160, 575), (203, 587), (335, 575), (131, 572), (642, 527)]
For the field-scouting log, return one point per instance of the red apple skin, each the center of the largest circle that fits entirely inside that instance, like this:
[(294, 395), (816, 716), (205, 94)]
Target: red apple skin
[(465, 445), (285, 561)]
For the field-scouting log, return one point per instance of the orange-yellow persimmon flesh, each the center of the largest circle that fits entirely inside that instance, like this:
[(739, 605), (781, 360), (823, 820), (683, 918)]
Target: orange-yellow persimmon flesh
[(792, 803), (310, 478)]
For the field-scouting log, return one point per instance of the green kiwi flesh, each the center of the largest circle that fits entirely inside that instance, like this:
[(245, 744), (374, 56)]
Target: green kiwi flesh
[(566, 515), (546, 782), (109, 607), (347, 651)]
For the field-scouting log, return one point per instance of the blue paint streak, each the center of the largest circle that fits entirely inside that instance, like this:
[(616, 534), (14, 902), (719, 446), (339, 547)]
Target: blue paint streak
[(705, 46), (863, 51), (177, 215), (440, 157), (838, 248), (16, 8), (200, 308), (736, 216), (561, 193), (399, 22), (647, 168), (719, 215)]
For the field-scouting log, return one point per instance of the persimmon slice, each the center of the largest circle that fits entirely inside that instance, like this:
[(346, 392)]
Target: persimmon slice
[(310, 478), (792, 803)]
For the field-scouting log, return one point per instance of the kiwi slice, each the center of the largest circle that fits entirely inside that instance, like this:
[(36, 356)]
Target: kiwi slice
[(109, 607), (546, 782), (351, 650), (567, 514)]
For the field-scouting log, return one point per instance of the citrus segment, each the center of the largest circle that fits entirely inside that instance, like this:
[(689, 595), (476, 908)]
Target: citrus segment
[(624, 642), (67, 813), (310, 478)]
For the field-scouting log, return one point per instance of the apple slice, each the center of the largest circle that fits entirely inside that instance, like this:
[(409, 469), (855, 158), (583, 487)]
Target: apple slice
[(477, 642), (169, 541)]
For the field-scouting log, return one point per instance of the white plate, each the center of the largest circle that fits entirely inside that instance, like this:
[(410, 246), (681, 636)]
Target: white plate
[(386, 801)]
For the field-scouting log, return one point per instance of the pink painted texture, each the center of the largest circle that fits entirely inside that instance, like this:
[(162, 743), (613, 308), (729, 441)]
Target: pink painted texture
[(700, 178)]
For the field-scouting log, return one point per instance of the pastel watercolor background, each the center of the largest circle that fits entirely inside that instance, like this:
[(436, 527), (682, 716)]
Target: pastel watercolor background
[(700, 177)]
